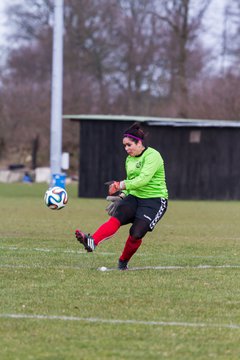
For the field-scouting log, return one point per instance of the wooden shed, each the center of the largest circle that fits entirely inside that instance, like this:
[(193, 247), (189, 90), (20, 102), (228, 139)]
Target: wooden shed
[(202, 157)]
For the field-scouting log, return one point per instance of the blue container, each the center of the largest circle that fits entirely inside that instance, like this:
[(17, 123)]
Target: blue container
[(59, 180)]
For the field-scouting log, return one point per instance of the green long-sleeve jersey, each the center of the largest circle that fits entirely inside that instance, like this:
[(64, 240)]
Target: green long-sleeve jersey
[(146, 175)]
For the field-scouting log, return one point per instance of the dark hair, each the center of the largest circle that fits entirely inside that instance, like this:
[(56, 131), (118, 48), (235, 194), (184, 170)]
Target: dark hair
[(135, 133)]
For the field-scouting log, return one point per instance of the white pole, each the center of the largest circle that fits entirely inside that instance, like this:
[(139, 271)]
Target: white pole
[(56, 99)]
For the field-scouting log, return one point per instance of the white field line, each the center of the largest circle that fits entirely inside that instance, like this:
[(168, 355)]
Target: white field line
[(177, 267), (15, 248), (117, 321), (45, 250), (62, 267), (185, 256)]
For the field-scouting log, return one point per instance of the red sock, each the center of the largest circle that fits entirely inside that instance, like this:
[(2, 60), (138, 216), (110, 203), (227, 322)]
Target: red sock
[(106, 230), (131, 246)]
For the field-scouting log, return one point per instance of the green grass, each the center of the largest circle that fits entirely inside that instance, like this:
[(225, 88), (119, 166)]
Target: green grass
[(44, 272)]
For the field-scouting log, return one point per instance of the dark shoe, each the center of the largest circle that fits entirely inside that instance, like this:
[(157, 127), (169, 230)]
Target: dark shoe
[(86, 240), (122, 264)]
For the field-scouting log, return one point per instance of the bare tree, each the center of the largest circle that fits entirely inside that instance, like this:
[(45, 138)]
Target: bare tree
[(25, 80), (138, 57), (32, 20), (183, 20), (141, 61)]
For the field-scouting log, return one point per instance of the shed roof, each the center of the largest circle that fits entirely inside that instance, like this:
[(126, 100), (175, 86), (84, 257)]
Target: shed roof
[(157, 121)]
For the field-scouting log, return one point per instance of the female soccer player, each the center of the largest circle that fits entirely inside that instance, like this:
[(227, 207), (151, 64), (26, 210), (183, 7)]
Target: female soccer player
[(141, 199)]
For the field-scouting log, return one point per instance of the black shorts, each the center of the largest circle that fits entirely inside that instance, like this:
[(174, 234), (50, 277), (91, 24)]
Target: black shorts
[(150, 210)]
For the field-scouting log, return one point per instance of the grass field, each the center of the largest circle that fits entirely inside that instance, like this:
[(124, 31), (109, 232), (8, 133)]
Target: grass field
[(55, 304)]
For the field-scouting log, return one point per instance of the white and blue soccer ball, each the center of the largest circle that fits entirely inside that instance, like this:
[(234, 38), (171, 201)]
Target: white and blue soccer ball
[(56, 198)]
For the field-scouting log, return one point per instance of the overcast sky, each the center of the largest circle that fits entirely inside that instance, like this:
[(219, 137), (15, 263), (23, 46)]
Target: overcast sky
[(2, 19), (214, 19)]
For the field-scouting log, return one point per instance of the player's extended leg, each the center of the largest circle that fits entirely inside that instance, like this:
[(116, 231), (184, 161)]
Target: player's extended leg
[(123, 215), (105, 231)]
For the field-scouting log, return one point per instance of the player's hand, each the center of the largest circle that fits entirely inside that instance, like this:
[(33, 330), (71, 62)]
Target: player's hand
[(114, 187), (114, 202)]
